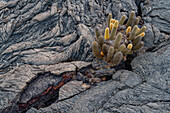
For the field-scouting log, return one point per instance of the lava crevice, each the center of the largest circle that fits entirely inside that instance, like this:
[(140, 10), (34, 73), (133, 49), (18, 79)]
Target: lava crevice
[(41, 91)]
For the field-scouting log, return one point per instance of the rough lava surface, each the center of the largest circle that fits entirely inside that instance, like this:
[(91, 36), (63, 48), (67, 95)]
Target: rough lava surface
[(39, 36)]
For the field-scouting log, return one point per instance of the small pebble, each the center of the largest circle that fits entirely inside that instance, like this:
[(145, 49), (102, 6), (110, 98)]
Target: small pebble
[(85, 86), (103, 79)]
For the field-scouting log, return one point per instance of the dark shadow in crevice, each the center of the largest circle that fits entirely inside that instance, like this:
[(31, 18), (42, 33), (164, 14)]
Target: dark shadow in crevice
[(126, 65)]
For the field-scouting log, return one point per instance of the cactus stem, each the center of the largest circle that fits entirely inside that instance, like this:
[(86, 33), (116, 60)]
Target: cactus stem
[(106, 33), (136, 21), (100, 41), (131, 17), (117, 58), (97, 32), (108, 19), (104, 49), (128, 49), (110, 53), (141, 30), (133, 33), (111, 26), (114, 30), (118, 40), (138, 45), (137, 39), (112, 21), (130, 46), (95, 50), (128, 30), (142, 34), (122, 47), (122, 20)]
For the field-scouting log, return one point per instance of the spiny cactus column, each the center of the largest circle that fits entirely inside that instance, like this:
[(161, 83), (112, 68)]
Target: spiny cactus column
[(114, 30), (117, 58), (133, 33), (122, 40), (96, 51), (118, 40)]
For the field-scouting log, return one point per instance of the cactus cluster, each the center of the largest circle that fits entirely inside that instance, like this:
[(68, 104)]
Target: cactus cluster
[(122, 40)]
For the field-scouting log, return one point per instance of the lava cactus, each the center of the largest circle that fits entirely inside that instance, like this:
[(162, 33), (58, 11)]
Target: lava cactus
[(119, 39)]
